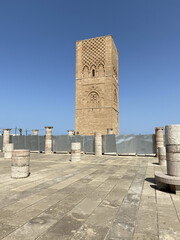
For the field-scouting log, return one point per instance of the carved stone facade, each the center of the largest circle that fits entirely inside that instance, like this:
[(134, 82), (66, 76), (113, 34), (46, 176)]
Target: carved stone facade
[(97, 86)]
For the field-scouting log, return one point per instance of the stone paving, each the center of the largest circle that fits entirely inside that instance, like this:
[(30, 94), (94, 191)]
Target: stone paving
[(106, 197)]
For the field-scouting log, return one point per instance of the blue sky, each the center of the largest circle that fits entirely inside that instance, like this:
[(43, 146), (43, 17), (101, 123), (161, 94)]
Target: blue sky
[(37, 60)]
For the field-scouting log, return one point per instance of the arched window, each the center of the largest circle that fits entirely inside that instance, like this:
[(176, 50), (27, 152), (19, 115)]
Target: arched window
[(85, 72), (101, 70), (93, 73), (93, 99)]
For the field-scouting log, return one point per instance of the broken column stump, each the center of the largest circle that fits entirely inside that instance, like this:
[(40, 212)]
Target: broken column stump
[(75, 151), (20, 166)]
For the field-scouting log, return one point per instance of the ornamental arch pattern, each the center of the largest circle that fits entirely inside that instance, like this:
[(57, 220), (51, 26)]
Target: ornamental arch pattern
[(93, 52), (85, 72), (93, 99)]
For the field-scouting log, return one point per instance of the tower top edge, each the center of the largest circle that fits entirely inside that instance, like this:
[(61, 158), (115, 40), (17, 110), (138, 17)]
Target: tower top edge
[(110, 35)]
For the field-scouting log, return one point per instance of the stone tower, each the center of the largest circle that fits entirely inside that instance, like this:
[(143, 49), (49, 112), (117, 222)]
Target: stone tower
[(97, 86)]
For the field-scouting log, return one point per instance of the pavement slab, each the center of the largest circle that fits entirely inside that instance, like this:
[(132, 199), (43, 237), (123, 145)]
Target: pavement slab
[(99, 198)]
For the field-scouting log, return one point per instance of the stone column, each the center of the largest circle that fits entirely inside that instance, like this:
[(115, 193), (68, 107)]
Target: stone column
[(35, 132), (75, 151), (70, 132), (9, 147), (6, 137), (20, 166), (98, 144), (109, 131), (48, 141), (162, 155), (172, 134), (159, 138)]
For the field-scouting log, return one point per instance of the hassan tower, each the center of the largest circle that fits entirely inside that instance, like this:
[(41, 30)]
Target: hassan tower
[(97, 86)]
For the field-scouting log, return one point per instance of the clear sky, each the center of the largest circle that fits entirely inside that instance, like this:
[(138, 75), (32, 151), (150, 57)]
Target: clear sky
[(37, 60)]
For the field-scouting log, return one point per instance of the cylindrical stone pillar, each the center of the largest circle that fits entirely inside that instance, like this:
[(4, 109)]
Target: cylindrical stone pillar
[(35, 132), (20, 167), (98, 144), (75, 151), (6, 137), (48, 141), (162, 155), (172, 134), (70, 132), (109, 131), (9, 147), (159, 138)]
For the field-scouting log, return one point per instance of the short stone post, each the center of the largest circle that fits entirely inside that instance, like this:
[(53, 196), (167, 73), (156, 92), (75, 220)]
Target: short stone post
[(6, 137), (172, 134), (20, 166), (70, 132), (162, 156), (35, 132), (48, 141), (109, 131), (75, 151), (9, 147), (98, 144), (159, 138)]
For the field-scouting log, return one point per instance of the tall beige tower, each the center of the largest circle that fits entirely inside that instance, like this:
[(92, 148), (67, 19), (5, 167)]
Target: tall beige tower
[(97, 86)]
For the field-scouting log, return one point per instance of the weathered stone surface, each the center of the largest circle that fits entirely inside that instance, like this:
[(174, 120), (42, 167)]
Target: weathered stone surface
[(98, 144), (109, 131), (5, 230), (6, 137), (75, 151), (8, 149), (48, 140), (172, 134), (159, 138), (97, 89), (124, 223), (173, 168), (160, 177), (20, 164), (100, 197)]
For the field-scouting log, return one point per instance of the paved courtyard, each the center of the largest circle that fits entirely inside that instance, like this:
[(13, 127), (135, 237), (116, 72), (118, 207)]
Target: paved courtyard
[(106, 197)]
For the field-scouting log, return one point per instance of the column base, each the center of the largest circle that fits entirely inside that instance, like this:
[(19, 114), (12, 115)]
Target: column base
[(164, 181)]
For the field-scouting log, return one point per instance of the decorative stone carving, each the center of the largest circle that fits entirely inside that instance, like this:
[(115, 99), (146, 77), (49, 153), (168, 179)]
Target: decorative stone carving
[(93, 99), (93, 52)]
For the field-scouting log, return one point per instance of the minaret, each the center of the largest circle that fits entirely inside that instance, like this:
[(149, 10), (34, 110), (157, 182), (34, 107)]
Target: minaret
[(97, 86)]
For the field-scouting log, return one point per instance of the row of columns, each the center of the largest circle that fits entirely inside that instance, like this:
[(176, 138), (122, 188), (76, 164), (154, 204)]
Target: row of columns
[(170, 153), (98, 139), (48, 142), (6, 136)]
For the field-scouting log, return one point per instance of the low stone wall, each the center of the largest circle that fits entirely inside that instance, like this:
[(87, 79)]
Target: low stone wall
[(120, 144)]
